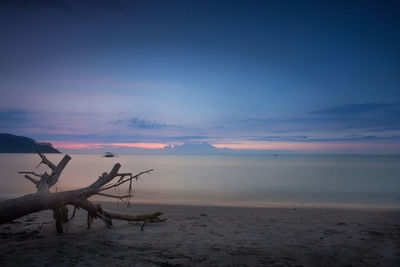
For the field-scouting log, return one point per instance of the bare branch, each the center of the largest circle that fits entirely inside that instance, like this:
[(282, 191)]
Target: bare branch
[(105, 178), (123, 175), (124, 181), (107, 221), (146, 218), (52, 180), (46, 161), (113, 196), (73, 214), (46, 181), (33, 173), (36, 182)]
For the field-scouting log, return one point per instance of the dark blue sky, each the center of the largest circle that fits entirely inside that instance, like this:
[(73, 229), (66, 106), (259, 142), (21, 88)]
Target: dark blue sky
[(311, 75)]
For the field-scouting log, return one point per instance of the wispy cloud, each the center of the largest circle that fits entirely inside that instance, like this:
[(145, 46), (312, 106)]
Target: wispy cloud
[(387, 129), (345, 138), (368, 124), (353, 118), (118, 138), (137, 123), (13, 117), (360, 109), (141, 124), (278, 138)]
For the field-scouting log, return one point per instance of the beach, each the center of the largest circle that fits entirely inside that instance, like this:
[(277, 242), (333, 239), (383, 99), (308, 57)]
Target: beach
[(243, 133), (210, 236)]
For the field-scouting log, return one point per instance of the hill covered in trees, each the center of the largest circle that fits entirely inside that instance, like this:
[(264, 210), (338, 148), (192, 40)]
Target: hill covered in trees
[(19, 144)]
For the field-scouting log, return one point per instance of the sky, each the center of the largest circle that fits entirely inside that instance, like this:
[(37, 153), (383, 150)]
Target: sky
[(294, 76)]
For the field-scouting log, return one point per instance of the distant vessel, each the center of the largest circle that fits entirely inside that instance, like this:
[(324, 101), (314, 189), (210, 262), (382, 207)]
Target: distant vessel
[(275, 155), (108, 155)]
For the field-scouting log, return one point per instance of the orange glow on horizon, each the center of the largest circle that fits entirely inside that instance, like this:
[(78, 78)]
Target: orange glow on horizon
[(242, 145), (78, 145), (141, 145)]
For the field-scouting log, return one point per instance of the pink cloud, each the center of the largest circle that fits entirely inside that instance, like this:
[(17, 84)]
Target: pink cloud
[(81, 145)]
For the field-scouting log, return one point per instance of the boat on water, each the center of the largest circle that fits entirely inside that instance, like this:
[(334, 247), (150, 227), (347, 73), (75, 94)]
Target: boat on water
[(108, 155)]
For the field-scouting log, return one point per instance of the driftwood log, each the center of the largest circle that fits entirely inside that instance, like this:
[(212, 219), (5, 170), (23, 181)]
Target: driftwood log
[(43, 199)]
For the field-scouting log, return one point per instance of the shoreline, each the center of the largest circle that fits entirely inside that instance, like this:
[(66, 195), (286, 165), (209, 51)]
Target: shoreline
[(209, 236), (278, 205), (250, 204)]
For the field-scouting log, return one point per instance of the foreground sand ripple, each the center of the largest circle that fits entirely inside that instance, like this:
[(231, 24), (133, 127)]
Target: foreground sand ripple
[(211, 236)]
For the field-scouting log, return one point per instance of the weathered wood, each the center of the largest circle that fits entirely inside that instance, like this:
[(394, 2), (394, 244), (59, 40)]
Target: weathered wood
[(43, 199), (145, 218), (12, 209), (58, 216)]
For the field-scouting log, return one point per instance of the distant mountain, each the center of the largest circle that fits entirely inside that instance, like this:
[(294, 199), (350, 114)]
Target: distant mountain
[(19, 144), (194, 148), (197, 147)]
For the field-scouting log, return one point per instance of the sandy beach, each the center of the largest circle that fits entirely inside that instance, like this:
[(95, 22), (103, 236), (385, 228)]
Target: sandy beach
[(210, 236)]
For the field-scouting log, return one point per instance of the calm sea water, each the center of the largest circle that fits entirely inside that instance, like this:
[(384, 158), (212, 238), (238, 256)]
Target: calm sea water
[(237, 180)]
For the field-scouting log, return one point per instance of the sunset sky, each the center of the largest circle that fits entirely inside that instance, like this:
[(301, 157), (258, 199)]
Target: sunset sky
[(299, 76)]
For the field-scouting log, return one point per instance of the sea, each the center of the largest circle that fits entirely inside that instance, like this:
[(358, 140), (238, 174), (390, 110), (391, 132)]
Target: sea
[(227, 180)]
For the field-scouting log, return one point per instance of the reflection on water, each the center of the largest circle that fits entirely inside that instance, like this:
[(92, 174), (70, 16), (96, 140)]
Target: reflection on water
[(249, 180)]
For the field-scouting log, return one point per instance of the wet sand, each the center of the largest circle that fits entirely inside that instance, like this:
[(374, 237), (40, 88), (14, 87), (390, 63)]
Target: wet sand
[(210, 236)]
